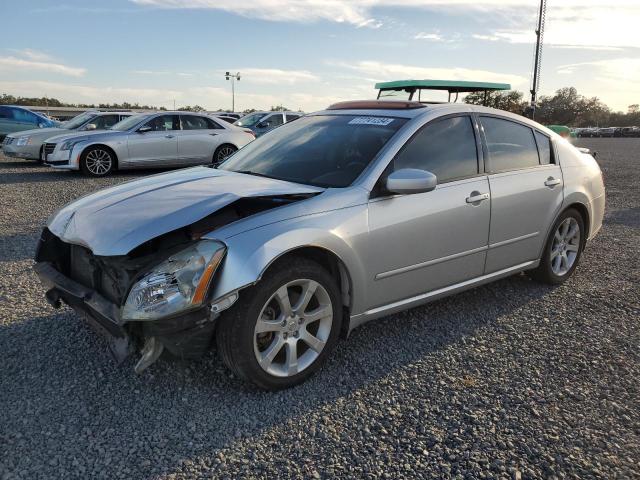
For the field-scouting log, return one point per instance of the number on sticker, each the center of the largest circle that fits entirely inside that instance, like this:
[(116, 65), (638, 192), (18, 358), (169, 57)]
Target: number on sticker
[(382, 121)]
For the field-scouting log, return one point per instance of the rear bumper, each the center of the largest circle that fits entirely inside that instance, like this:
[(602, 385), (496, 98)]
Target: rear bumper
[(187, 335)]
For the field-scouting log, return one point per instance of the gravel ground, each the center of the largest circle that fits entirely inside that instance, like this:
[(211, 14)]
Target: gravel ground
[(511, 380)]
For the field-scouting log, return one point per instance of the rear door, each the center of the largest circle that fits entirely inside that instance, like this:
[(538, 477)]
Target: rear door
[(198, 139), (157, 147), (526, 191), (425, 241)]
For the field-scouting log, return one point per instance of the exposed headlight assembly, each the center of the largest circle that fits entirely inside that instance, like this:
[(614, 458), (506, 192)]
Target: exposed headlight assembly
[(177, 284), (22, 141)]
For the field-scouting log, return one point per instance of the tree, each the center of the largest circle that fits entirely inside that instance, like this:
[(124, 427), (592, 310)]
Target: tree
[(511, 100), (633, 109), (188, 108), (279, 108)]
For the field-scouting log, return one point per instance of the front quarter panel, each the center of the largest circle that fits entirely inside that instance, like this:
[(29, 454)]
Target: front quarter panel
[(342, 232)]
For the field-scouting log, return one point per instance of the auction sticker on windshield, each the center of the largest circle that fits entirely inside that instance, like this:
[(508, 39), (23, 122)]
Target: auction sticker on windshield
[(382, 121)]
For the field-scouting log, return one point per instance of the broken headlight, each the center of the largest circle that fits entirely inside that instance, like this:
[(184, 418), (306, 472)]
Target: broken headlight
[(179, 283)]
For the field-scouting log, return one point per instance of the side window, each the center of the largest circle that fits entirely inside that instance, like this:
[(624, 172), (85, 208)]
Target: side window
[(291, 118), (103, 122), (193, 122), (274, 120), (164, 123), (5, 113), (446, 148), (511, 145), (24, 116), (544, 148)]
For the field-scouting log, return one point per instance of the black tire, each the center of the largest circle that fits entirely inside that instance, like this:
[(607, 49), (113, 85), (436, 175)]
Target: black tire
[(107, 161), (545, 271), (222, 152), (236, 328)]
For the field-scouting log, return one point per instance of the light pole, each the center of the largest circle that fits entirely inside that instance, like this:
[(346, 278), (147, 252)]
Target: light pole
[(233, 78)]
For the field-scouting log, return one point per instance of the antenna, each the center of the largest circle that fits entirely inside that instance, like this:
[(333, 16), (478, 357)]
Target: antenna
[(537, 59)]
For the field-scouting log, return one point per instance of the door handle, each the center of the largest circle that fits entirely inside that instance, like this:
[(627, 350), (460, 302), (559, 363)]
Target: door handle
[(552, 182), (477, 197), (168, 136)]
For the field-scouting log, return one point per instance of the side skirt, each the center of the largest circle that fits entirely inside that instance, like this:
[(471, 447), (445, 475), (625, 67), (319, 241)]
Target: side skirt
[(360, 319)]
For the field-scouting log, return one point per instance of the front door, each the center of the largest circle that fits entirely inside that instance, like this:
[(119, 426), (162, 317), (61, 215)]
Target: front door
[(526, 191), (422, 242), (156, 147)]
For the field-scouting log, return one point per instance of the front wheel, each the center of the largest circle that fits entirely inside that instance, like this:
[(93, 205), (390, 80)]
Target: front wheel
[(97, 162), (222, 152), (282, 330), (562, 250)]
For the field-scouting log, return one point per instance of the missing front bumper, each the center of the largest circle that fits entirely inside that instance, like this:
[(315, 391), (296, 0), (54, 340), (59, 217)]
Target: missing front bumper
[(185, 336)]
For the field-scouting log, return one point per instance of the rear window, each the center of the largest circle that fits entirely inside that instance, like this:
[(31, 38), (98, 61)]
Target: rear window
[(511, 145), (544, 148)]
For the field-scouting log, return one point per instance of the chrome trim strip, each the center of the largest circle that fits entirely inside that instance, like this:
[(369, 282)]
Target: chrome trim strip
[(428, 263), (435, 293), (513, 240)]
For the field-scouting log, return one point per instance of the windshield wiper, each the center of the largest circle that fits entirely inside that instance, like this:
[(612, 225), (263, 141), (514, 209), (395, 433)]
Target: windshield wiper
[(257, 174)]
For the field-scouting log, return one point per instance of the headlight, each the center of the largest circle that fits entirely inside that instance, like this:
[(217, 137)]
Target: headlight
[(179, 283), (22, 141), (69, 144)]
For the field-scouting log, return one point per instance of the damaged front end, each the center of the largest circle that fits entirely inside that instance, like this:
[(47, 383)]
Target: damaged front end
[(157, 296), (157, 300)]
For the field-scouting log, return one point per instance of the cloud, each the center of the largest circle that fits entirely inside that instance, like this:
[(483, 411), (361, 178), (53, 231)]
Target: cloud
[(13, 63), (436, 37), (582, 23), (386, 71), (276, 76), (31, 54), (161, 72)]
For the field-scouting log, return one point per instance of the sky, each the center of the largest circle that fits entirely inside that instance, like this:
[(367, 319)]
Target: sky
[(307, 54)]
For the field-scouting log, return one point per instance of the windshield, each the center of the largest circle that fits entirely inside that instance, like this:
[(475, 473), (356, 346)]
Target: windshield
[(129, 122), (250, 120), (78, 121), (321, 150)]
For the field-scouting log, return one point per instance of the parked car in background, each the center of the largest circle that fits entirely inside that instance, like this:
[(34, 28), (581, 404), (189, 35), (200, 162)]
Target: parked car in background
[(344, 216), (229, 114), (606, 132), (262, 122), (627, 132), (167, 139), (30, 143), (16, 119)]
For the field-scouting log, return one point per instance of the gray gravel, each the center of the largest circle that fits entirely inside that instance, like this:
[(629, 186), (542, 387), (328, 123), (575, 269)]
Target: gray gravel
[(511, 380)]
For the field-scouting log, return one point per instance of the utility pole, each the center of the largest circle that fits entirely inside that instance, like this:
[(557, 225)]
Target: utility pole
[(233, 78), (537, 59)]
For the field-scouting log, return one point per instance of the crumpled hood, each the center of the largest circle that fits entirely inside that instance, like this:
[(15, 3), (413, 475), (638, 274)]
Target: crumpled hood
[(44, 132), (116, 220)]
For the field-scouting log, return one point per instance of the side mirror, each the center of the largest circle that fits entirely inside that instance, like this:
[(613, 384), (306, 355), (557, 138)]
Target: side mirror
[(144, 128), (411, 180), (41, 125), (264, 124), (90, 126)]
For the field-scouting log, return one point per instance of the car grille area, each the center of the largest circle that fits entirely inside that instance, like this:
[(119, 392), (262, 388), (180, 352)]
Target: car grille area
[(49, 148)]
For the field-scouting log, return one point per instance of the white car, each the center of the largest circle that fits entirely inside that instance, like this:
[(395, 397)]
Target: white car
[(166, 139)]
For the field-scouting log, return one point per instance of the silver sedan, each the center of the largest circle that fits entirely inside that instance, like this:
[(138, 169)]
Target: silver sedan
[(341, 217), (167, 139)]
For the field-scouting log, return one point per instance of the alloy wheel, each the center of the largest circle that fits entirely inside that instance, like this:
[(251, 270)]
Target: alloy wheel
[(224, 152), (293, 328), (98, 162), (565, 246)]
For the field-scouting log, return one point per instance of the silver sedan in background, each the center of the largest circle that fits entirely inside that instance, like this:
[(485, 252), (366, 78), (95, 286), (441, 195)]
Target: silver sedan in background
[(29, 144), (167, 139), (343, 216)]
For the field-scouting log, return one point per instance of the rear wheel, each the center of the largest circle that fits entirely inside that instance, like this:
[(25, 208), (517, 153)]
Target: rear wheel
[(562, 250), (282, 330), (97, 161), (222, 152)]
